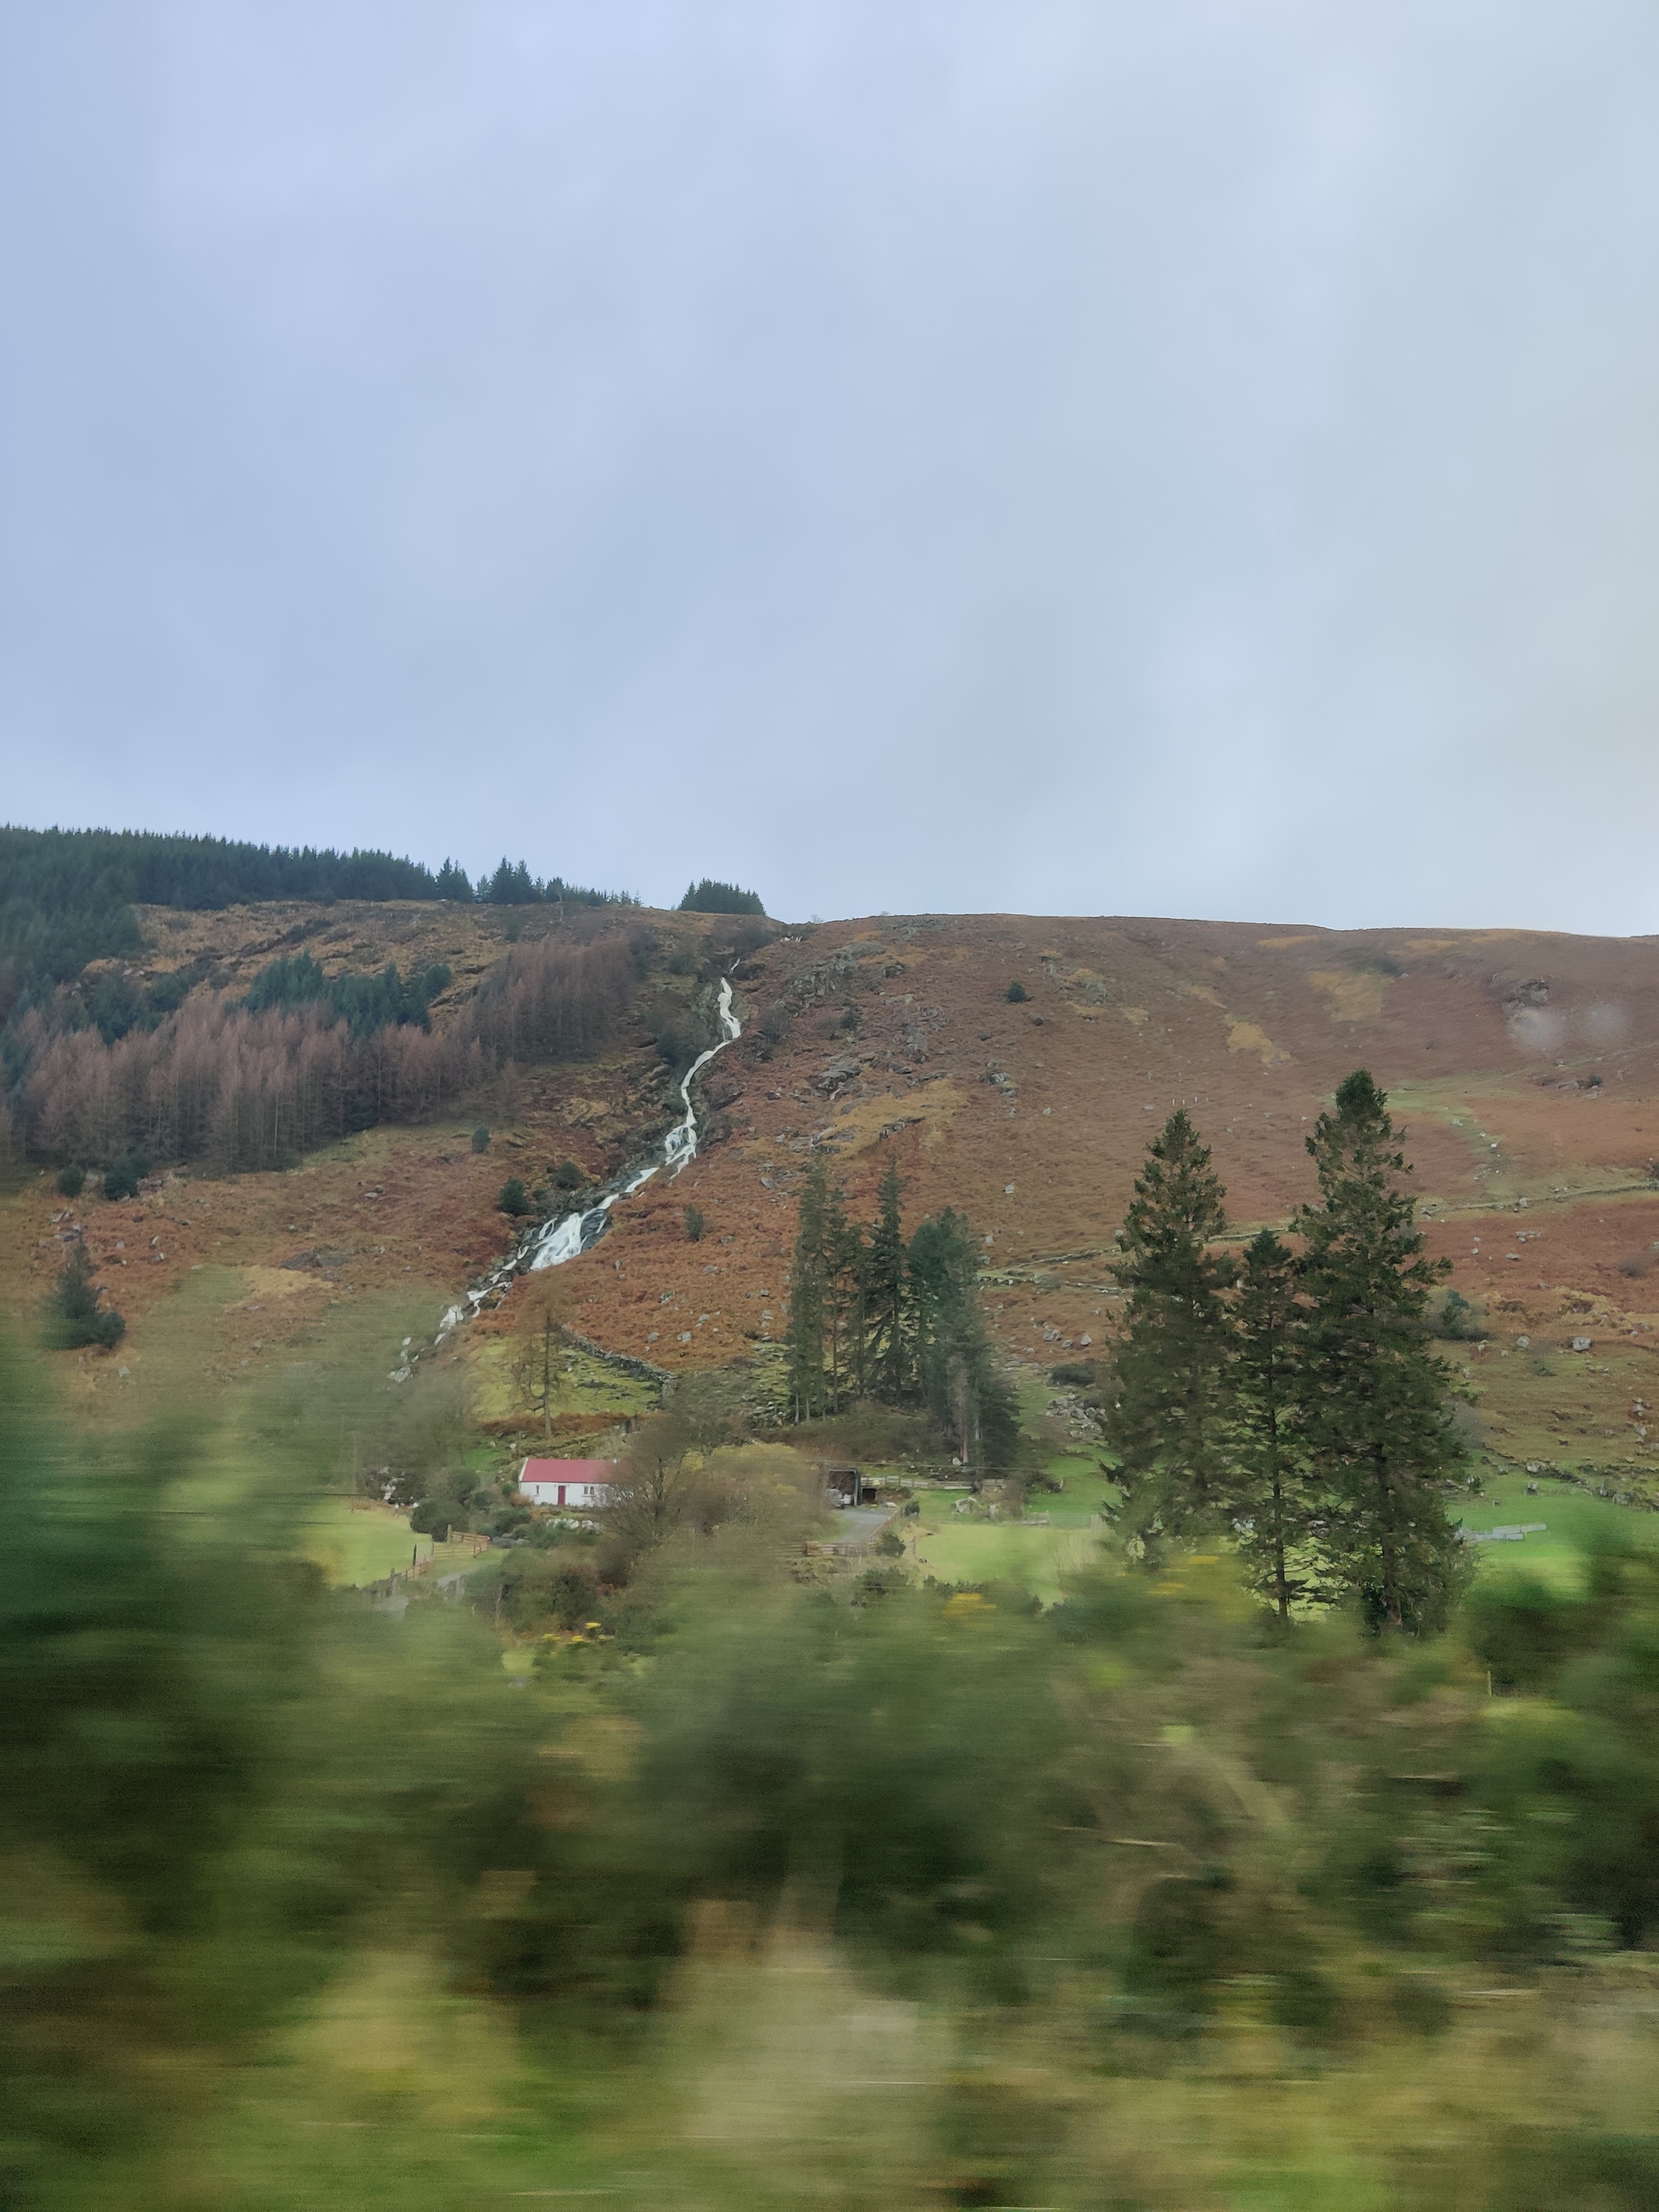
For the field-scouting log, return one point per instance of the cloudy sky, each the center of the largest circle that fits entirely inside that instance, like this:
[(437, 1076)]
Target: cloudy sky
[(1198, 458)]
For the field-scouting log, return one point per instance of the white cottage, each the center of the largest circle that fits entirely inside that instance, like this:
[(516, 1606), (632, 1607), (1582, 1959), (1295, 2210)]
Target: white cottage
[(572, 1483)]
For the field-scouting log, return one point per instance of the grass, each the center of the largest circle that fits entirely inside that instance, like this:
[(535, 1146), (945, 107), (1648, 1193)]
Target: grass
[(957, 1549), (1034, 1559), (587, 1386), (1086, 1491), (364, 1543), (1573, 1520)]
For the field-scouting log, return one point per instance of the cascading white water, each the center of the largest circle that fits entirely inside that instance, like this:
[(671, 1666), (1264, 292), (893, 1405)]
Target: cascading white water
[(575, 1233)]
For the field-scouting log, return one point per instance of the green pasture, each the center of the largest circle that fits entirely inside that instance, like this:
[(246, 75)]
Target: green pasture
[(1087, 1491), (1573, 1520), (355, 1543), (1005, 1552)]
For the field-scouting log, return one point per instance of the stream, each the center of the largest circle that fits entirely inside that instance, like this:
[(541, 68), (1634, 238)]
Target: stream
[(566, 1236)]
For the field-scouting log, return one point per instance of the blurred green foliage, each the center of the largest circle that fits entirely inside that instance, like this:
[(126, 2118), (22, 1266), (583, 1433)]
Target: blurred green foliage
[(764, 1885)]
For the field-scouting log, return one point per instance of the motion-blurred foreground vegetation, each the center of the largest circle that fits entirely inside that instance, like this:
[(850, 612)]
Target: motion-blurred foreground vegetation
[(771, 1892)]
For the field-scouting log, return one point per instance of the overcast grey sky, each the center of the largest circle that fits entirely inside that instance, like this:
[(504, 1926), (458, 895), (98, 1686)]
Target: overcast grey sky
[(1062, 455)]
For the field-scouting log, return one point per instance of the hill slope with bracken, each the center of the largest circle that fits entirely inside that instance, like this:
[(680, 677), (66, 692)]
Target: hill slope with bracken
[(1524, 1066)]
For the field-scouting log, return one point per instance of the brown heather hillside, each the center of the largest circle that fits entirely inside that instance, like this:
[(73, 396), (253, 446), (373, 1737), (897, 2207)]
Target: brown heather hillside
[(1524, 1066)]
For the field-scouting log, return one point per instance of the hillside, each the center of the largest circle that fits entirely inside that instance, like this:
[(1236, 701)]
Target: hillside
[(1525, 1067)]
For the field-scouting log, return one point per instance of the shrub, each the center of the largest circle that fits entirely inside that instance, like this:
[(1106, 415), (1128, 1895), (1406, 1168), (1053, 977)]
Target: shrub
[(481, 1139), (1458, 1318), (1079, 1374), (567, 1175), (75, 1318), (71, 1180), (1017, 993), (447, 1508), (513, 1199), (749, 937), (121, 1179), (693, 1226)]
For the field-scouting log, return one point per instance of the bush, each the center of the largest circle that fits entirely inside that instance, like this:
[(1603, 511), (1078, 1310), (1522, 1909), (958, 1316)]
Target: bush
[(1458, 1318), (774, 1027), (1079, 1374), (74, 1317), (121, 1179), (513, 1199), (1017, 993), (481, 1139), (447, 1506), (749, 937), (568, 1176), (693, 1226), (71, 1180)]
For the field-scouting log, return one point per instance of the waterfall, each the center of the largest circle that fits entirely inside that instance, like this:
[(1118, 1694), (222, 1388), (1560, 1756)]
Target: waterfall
[(570, 1235)]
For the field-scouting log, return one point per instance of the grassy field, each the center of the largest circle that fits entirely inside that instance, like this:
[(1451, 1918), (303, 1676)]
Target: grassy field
[(1036, 1558), (356, 1544), (956, 1548), (1572, 1519)]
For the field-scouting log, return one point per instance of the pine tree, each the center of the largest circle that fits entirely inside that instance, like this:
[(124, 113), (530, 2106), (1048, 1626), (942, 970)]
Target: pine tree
[(849, 1260), (1271, 1494), (511, 884), (1377, 1419), (1166, 1414), (74, 1317), (884, 1296), (955, 1372), (809, 1292)]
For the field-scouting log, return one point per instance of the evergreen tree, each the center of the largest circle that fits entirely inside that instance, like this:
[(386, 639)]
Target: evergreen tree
[(512, 885), (712, 897), (453, 883), (1377, 1419), (1271, 1494), (74, 1317), (1166, 1414), (845, 1264), (955, 1370), (809, 1294), (884, 1299)]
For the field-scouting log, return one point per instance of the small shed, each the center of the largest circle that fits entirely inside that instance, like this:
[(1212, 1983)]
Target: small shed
[(567, 1482), (843, 1486)]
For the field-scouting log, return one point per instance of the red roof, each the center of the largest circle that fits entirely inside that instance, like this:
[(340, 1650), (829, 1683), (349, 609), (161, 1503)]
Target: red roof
[(567, 1470)]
